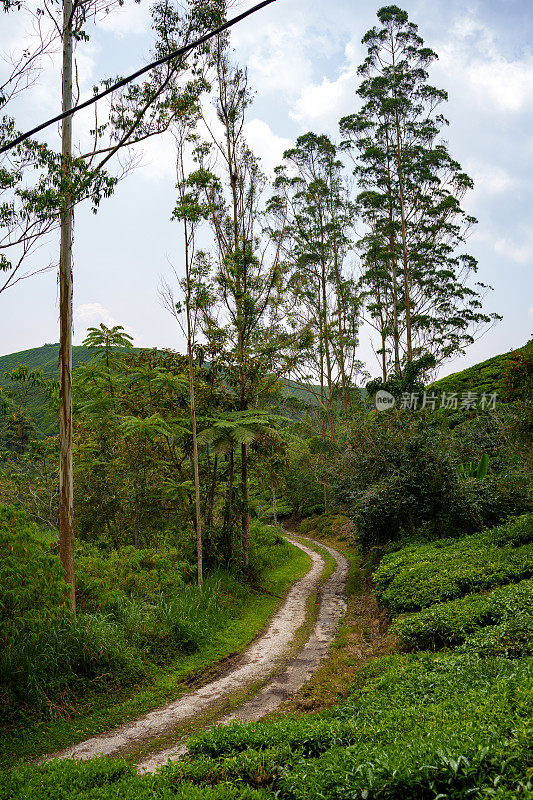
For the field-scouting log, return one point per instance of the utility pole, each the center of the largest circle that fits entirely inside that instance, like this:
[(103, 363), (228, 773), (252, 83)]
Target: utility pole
[(66, 504)]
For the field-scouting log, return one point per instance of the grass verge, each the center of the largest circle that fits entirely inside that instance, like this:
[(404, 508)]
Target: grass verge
[(101, 712)]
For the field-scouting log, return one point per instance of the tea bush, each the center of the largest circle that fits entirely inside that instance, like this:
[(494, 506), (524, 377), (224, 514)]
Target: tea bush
[(109, 778), (418, 576), (448, 624), (413, 727)]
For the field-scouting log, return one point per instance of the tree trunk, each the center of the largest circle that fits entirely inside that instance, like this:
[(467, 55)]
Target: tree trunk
[(66, 504), (136, 521), (245, 509), (195, 463), (211, 502), (228, 522), (274, 506), (406, 277), (192, 401), (392, 245)]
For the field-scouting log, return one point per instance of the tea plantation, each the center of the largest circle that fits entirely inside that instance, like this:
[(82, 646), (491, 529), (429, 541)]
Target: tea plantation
[(454, 720)]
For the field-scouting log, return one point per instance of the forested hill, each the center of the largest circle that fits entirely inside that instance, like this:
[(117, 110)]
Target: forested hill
[(488, 376), (46, 359)]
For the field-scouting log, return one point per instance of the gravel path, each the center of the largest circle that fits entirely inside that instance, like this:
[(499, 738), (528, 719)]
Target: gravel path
[(263, 658)]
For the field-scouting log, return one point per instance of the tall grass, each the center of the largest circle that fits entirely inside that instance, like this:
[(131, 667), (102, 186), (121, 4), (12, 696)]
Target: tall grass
[(74, 656)]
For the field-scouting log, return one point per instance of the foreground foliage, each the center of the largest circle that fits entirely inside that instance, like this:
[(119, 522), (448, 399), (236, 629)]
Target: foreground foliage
[(137, 609), (415, 726)]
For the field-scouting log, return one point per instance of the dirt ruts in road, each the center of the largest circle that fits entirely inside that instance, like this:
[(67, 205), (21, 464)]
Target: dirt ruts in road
[(266, 656)]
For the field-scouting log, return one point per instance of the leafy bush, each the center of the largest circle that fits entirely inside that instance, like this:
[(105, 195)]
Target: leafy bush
[(267, 548), (74, 656), (511, 639), (498, 497), (398, 476), (415, 726), (325, 525), (32, 586), (518, 374), (103, 578), (109, 778), (452, 623), (419, 575)]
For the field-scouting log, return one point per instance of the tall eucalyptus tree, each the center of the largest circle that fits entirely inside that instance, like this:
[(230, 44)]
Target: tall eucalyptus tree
[(410, 198), (314, 218)]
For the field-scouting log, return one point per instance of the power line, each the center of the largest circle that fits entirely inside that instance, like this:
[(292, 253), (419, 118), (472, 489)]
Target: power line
[(124, 81)]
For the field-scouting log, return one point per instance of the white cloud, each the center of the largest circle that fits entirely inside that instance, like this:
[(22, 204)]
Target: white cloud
[(278, 59), (323, 102), (132, 18), (490, 178), (472, 56), (326, 102), (158, 159), (522, 254), (90, 315), (265, 144)]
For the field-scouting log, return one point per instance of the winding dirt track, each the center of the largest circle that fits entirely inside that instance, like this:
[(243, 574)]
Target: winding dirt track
[(265, 658)]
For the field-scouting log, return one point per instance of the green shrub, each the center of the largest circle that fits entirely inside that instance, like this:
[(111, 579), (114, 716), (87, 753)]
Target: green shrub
[(400, 477), (510, 639), (109, 779), (73, 656), (497, 497), (452, 623), (267, 548), (32, 587), (325, 525), (414, 727), (255, 768), (419, 575), (104, 577)]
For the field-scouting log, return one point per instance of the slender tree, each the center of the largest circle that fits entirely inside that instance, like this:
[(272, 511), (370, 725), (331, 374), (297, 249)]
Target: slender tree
[(190, 212), (416, 279), (315, 219), (243, 320)]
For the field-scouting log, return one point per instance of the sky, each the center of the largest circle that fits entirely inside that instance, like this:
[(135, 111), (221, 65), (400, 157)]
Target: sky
[(302, 57)]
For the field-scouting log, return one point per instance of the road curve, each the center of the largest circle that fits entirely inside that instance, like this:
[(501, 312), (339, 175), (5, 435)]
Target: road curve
[(265, 657)]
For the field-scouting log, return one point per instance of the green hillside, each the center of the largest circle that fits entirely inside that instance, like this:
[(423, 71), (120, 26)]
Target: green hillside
[(45, 359), (484, 377)]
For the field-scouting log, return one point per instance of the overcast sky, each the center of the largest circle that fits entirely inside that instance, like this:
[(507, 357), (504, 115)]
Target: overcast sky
[(302, 57)]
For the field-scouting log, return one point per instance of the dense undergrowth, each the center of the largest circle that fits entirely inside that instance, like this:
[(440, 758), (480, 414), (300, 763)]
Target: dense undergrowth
[(137, 609)]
